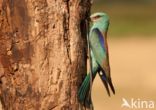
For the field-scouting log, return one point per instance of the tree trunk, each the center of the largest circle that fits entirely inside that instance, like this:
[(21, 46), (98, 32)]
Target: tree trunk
[(42, 53)]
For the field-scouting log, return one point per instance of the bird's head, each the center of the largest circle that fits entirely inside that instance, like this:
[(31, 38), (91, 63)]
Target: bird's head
[(100, 20)]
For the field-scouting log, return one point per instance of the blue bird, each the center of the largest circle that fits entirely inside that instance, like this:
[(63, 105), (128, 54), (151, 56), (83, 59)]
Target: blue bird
[(99, 56)]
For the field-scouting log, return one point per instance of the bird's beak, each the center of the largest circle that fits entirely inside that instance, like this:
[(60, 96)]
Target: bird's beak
[(91, 19)]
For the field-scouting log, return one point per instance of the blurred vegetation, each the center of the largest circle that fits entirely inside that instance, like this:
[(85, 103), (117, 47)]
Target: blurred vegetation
[(129, 17)]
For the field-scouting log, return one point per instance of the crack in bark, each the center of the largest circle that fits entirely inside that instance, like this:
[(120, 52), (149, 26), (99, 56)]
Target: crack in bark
[(66, 18)]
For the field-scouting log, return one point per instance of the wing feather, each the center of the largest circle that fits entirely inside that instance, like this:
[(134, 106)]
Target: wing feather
[(100, 52), (97, 43)]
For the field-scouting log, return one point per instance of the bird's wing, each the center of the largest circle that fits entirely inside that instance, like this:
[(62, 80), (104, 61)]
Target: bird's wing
[(100, 52), (98, 47)]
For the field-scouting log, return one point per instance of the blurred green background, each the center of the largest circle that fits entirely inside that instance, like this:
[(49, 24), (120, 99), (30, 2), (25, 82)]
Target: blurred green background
[(129, 17), (132, 52)]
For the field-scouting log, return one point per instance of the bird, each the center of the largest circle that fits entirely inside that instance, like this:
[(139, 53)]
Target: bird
[(99, 57)]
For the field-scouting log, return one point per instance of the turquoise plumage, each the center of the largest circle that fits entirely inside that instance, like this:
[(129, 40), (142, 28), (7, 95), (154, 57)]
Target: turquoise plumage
[(99, 56)]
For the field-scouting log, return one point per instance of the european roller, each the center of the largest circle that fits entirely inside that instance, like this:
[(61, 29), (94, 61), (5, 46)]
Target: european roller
[(99, 56)]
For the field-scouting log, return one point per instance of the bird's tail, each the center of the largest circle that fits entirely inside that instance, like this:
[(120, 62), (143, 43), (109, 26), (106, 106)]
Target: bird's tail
[(84, 89), (107, 81), (111, 85), (83, 93)]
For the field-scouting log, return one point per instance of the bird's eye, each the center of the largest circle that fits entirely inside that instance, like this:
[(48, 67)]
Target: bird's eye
[(96, 17)]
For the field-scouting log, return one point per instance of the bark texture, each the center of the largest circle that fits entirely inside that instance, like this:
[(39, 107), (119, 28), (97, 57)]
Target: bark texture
[(42, 53)]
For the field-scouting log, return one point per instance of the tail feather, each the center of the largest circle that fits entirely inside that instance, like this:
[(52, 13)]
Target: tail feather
[(84, 89), (111, 85), (105, 83), (88, 101), (83, 93)]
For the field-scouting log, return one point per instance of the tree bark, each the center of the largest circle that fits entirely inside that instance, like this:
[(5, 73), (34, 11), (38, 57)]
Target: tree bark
[(42, 53)]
